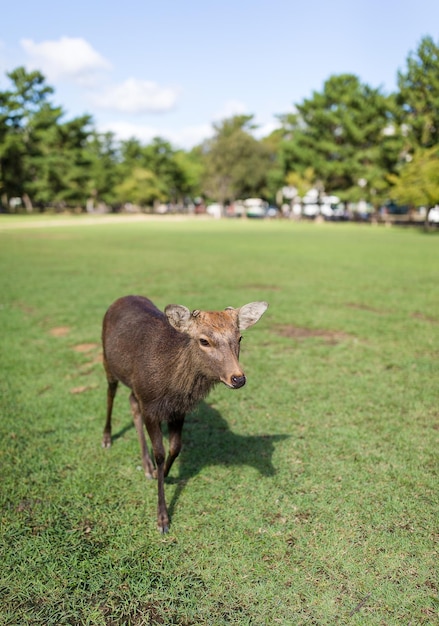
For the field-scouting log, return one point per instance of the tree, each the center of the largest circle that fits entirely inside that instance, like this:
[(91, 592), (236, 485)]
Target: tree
[(42, 159), (175, 173), (236, 163), (348, 134), (303, 182), (141, 187), (418, 180), (418, 95), (25, 117), (159, 158), (191, 168), (275, 174), (59, 175), (103, 156)]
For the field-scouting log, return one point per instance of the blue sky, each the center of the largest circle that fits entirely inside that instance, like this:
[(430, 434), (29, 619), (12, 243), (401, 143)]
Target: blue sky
[(174, 67)]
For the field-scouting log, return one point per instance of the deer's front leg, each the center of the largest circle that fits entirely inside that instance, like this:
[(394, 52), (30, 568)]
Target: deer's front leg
[(155, 434), (175, 427)]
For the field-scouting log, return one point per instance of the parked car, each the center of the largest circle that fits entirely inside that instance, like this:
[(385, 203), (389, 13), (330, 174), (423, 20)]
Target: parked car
[(433, 216), (255, 207), (272, 211), (215, 210)]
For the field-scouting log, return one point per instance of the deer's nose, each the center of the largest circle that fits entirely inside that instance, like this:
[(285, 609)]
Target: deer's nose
[(238, 381)]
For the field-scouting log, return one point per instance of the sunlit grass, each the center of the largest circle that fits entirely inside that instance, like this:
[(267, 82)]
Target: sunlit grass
[(307, 497)]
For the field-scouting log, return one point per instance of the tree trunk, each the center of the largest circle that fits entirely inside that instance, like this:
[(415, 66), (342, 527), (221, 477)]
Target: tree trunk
[(27, 203), (4, 202)]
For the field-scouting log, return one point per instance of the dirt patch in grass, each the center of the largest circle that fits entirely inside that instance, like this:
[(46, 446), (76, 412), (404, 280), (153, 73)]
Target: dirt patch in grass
[(365, 307), (299, 334), (96, 359), (85, 347), (425, 318), (59, 331), (82, 389), (25, 308)]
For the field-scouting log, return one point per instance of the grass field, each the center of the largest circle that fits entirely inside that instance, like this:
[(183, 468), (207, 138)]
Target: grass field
[(308, 497)]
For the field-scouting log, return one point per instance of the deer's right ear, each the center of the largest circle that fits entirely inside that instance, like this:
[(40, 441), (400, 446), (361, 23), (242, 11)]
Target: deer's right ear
[(178, 316)]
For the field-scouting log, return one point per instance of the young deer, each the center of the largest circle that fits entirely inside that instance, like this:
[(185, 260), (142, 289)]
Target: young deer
[(170, 361)]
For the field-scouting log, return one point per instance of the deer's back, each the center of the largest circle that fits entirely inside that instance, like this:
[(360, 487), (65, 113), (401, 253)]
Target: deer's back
[(138, 341)]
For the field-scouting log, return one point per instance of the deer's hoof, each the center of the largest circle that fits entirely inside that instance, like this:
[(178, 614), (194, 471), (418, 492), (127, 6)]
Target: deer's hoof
[(163, 523), (163, 527)]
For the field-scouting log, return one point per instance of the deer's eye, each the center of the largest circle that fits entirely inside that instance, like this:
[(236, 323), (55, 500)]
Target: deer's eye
[(204, 342)]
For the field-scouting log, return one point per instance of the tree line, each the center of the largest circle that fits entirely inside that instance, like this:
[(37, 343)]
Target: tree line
[(349, 139)]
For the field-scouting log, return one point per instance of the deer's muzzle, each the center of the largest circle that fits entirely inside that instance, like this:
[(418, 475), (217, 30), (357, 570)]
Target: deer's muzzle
[(238, 381)]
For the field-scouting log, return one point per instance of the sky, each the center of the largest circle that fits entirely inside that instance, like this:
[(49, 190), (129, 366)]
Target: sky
[(174, 68)]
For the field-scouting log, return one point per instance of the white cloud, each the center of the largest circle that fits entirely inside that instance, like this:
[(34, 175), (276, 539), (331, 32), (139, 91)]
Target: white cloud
[(136, 96), (265, 129), (67, 57), (236, 107), (126, 130), (185, 138), (191, 135), (75, 59), (231, 108)]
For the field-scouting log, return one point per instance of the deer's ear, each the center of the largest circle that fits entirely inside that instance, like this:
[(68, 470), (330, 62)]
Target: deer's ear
[(250, 313), (178, 316)]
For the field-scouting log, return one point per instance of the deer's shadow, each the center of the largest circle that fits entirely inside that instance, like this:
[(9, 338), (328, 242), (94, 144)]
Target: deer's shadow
[(208, 440)]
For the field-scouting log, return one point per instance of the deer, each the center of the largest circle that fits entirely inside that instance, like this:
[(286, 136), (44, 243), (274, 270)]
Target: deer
[(170, 361)]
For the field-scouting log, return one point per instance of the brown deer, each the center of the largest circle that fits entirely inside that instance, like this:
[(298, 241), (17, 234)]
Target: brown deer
[(170, 361)]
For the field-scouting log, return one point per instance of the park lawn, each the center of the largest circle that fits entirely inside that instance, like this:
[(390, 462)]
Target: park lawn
[(310, 496)]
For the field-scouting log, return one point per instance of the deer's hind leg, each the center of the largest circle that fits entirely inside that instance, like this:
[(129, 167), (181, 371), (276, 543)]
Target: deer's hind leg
[(111, 392), (147, 464)]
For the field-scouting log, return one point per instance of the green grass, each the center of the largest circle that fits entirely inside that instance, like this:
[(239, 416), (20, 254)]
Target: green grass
[(308, 497)]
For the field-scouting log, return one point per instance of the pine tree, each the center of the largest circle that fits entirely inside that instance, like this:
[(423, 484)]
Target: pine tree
[(348, 134)]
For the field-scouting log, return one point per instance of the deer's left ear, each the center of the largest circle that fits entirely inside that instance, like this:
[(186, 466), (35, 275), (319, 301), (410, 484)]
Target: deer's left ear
[(250, 313)]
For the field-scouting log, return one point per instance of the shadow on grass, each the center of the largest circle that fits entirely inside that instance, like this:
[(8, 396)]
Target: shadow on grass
[(122, 431), (208, 440)]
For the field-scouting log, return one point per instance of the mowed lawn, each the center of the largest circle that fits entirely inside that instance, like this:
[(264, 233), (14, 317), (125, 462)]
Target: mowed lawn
[(310, 496)]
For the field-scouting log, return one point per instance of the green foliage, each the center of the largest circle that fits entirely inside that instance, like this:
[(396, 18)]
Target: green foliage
[(302, 182), (418, 182), (307, 497), (102, 154), (419, 95), (42, 159), (62, 172), (235, 162), (46, 161), (343, 134), (159, 157), (26, 116), (142, 187), (191, 166), (175, 174)]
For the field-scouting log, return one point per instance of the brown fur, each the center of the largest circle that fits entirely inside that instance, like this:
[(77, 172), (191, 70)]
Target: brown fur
[(170, 361)]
